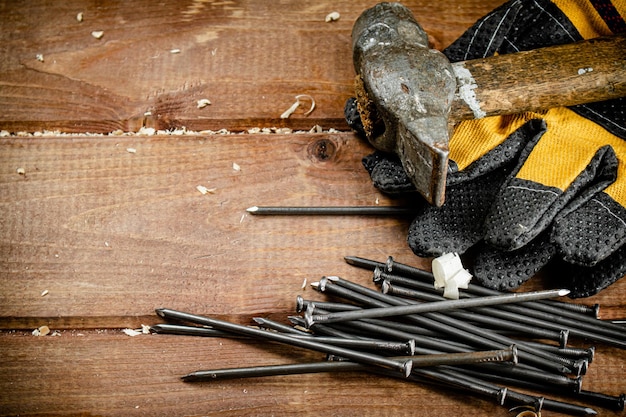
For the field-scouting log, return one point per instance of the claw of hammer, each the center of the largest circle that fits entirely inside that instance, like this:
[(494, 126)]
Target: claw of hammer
[(413, 87), (410, 97)]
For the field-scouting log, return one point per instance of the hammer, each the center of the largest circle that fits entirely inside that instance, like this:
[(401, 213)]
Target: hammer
[(410, 97)]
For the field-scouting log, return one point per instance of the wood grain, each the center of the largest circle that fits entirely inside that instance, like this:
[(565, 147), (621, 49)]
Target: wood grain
[(99, 226), (113, 234), (249, 58)]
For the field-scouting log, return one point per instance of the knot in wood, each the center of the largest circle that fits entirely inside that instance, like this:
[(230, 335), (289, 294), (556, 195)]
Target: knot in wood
[(322, 150)]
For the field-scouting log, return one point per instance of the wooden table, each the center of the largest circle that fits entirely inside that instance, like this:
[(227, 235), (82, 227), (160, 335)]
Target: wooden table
[(96, 231)]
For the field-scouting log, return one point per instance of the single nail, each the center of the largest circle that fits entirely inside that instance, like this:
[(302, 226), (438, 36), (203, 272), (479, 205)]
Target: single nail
[(417, 362), (437, 306), (407, 348), (339, 210), (178, 329), (363, 262), (404, 367), (301, 305), (464, 382), (569, 352), (611, 402), (274, 325)]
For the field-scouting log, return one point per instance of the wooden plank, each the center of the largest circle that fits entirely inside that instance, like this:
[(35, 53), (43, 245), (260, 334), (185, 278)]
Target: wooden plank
[(249, 58), (107, 373), (111, 227)]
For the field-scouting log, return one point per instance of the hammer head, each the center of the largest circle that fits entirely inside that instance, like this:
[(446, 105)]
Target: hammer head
[(404, 94)]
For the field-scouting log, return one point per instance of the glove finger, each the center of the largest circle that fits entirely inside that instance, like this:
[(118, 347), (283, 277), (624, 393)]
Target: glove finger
[(547, 180), (387, 173), (353, 118), (507, 270), (587, 281), (592, 232)]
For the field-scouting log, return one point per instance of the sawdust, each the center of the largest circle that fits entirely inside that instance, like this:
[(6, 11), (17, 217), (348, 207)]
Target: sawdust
[(144, 131), (370, 118)]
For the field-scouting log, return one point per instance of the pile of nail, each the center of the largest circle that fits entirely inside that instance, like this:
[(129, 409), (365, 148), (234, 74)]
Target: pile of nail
[(487, 343)]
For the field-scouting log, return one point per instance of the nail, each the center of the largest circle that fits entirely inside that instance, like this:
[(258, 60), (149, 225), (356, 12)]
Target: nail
[(570, 352), (274, 325), (340, 210), (334, 366), (437, 306), (407, 348), (271, 370), (438, 322), (177, 329), (363, 262), (469, 384), (523, 374), (361, 357), (301, 305), (611, 402)]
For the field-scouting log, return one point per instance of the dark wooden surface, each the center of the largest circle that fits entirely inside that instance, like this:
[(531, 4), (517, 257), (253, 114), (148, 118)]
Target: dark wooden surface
[(110, 234)]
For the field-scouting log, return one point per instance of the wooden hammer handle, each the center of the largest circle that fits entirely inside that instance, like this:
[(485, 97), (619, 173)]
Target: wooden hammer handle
[(565, 75)]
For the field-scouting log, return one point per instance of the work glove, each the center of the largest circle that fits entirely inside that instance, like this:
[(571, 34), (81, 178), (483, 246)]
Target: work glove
[(524, 189)]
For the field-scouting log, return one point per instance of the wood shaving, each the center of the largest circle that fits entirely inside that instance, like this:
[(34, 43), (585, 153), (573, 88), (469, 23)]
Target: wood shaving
[(39, 57), (204, 190), (131, 332), (79, 17), (147, 131), (98, 34), (203, 103), (332, 17), (42, 331), (295, 105)]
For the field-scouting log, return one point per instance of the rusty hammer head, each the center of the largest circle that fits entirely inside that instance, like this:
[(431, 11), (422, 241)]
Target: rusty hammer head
[(410, 97), (404, 94)]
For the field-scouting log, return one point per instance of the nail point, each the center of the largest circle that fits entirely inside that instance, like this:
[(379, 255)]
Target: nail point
[(252, 209)]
